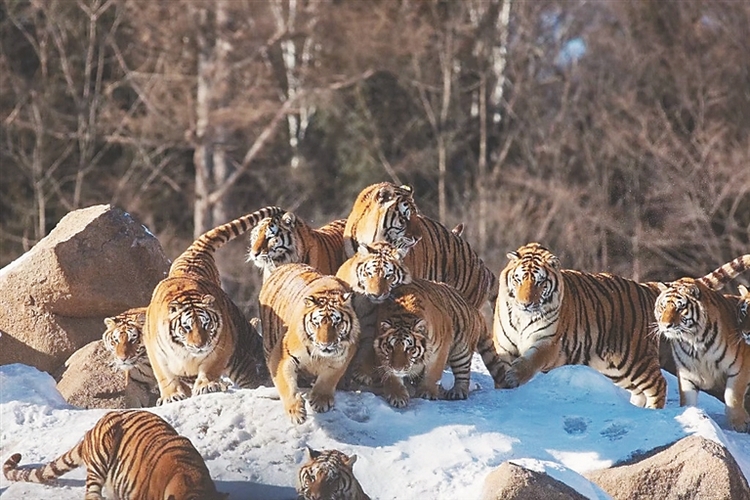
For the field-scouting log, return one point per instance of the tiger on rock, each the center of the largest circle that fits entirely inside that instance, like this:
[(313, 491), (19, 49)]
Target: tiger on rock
[(329, 475), (547, 317), (134, 453), (385, 212), (286, 239), (309, 328), (706, 333), (193, 329)]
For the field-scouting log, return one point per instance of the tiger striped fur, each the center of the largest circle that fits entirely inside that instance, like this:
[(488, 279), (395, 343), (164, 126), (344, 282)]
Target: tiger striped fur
[(134, 453), (329, 475), (421, 328), (705, 331), (385, 212), (193, 327), (309, 328), (547, 317), (286, 239), (743, 313)]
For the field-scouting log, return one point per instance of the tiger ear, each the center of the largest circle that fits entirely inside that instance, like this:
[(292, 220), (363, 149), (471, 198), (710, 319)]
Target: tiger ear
[(384, 194), (385, 324), (140, 318), (663, 287), (421, 326), (743, 291), (406, 243), (346, 296), (513, 255), (310, 301), (110, 322), (695, 291), (554, 262), (409, 190), (311, 453), (208, 300), (364, 249), (289, 218), (173, 307), (350, 460)]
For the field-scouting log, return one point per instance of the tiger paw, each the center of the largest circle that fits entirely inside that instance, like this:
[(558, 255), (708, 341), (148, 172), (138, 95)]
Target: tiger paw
[(321, 403), (456, 393), (177, 396), (209, 387), (739, 422), (296, 410), (398, 400), (428, 393), (511, 379)]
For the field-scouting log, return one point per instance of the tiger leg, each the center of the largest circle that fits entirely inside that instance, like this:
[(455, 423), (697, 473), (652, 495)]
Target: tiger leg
[(734, 397), (395, 391), (94, 484), (284, 375), (536, 358), (460, 363), (323, 390), (170, 385), (688, 389), (429, 387)]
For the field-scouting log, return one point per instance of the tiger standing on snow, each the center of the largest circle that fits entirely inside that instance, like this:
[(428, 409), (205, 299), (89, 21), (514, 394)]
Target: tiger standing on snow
[(705, 329), (387, 213), (309, 327), (329, 475), (547, 317), (133, 453), (193, 329)]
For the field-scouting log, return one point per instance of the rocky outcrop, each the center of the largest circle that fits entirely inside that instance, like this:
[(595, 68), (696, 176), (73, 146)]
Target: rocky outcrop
[(692, 468), (514, 482), (97, 262), (88, 381)]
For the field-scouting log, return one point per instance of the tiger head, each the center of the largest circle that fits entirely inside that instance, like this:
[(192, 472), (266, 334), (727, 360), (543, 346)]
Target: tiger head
[(383, 212), (680, 312), (327, 475), (401, 344), (273, 242), (329, 322), (376, 269), (124, 338), (532, 279), (195, 323)]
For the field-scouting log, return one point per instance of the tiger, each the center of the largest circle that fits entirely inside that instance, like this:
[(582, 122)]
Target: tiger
[(286, 238), (547, 317), (329, 475), (423, 326), (743, 313), (385, 212), (372, 273), (133, 453), (193, 329), (123, 339), (309, 328), (704, 328)]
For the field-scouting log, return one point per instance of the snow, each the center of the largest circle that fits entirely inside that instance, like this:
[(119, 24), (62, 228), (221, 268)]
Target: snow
[(565, 422)]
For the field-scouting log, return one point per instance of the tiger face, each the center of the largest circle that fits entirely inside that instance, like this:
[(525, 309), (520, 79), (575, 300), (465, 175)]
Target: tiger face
[(124, 339), (680, 315), (327, 325), (328, 474), (401, 345), (381, 212), (272, 242), (532, 279), (378, 269), (195, 325)]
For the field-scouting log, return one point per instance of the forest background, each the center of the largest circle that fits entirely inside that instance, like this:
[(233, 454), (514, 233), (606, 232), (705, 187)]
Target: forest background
[(615, 132)]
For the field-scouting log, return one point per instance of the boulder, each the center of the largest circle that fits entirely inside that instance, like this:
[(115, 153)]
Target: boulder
[(514, 482), (692, 468), (88, 380), (97, 262)]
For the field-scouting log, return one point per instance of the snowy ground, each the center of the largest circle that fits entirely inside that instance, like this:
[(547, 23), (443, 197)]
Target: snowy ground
[(567, 421)]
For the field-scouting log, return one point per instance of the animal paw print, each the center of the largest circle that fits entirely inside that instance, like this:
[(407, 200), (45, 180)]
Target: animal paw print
[(575, 426), (614, 431)]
